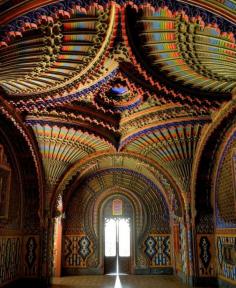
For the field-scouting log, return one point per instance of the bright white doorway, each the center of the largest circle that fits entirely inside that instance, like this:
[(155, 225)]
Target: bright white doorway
[(117, 245)]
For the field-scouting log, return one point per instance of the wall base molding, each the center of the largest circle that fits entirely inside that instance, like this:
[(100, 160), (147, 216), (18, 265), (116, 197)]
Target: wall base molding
[(154, 271), (99, 271), (81, 271)]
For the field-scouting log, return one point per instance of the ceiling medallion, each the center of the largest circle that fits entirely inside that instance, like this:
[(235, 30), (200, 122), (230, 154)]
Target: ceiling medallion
[(119, 96)]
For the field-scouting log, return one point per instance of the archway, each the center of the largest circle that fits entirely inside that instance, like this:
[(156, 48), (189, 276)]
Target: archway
[(213, 197), (83, 233), (118, 230)]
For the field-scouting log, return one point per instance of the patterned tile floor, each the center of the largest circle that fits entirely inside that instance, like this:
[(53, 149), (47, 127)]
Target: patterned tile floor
[(124, 281)]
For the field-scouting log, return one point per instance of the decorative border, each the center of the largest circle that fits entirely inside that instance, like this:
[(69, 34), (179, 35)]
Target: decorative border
[(175, 5), (79, 249)]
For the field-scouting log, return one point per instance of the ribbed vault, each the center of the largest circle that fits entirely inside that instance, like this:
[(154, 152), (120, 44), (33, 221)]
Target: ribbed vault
[(53, 51), (171, 145), (60, 147), (187, 49)]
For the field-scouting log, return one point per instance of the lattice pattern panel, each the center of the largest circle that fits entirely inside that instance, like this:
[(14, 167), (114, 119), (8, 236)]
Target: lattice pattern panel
[(183, 248), (77, 249), (31, 255), (158, 250), (10, 258), (205, 245), (226, 257)]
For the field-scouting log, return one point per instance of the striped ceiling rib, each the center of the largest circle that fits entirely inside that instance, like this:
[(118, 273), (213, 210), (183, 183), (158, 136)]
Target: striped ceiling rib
[(60, 147), (172, 146), (56, 49), (194, 53)]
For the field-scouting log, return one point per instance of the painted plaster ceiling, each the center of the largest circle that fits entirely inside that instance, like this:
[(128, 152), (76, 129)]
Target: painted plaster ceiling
[(188, 49), (53, 51), (121, 163), (116, 79)]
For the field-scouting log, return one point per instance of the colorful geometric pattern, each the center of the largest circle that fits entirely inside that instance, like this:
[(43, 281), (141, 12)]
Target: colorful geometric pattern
[(65, 41), (31, 251), (150, 249), (124, 179), (120, 95), (133, 181), (84, 245), (129, 162), (205, 58), (194, 7), (60, 147), (173, 145), (226, 246), (31, 255), (77, 249), (60, 47), (10, 258), (158, 250), (183, 249), (205, 250)]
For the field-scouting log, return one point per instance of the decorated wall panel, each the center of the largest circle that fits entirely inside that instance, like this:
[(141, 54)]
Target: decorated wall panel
[(157, 247), (205, 255), (226, 257), (225, 192), (77, 249), (10, 258), (183, 249), (31, 255)]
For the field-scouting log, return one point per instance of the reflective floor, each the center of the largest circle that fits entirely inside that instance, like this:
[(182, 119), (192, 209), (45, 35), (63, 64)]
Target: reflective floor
[(122, 281)]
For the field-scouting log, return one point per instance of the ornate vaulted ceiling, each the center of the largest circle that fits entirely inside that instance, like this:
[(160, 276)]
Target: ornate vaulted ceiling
[(53, 51), (132, 84), (187, 49)]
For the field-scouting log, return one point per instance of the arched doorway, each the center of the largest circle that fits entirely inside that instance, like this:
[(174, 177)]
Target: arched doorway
[(89, 206), (118, 229)]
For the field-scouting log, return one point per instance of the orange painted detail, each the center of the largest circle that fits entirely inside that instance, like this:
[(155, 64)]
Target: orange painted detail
[(22, 8)]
